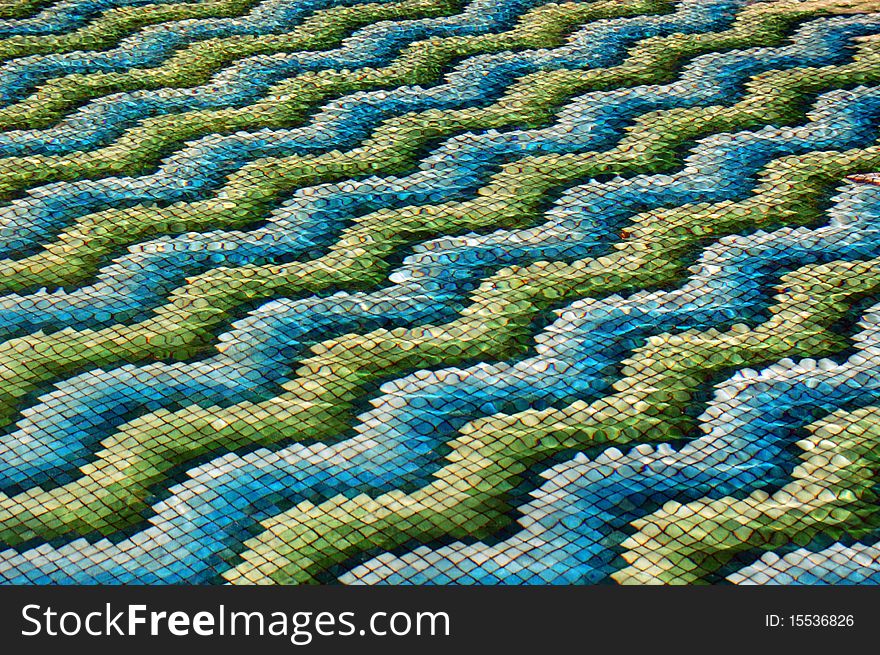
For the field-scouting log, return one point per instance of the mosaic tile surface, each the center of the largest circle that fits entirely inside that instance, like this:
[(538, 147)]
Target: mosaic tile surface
[(428, 291)]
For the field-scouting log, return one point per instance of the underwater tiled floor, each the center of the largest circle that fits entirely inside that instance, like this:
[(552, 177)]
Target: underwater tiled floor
[(429, 291)]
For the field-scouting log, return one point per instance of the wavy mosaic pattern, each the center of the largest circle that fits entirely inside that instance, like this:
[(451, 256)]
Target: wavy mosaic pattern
[(430, 292)]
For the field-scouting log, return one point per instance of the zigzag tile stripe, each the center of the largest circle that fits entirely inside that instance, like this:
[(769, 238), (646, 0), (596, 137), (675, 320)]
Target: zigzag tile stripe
[(416, 291)]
